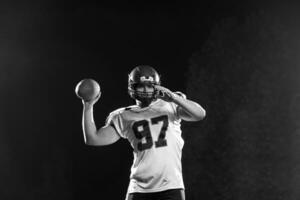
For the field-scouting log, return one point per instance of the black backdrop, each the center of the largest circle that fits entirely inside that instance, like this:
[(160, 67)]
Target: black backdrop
[(47, 47)]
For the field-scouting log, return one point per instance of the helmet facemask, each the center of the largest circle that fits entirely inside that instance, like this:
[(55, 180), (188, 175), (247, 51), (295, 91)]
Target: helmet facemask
[(142, 96)]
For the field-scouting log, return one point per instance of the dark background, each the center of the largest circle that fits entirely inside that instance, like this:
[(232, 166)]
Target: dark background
[(240, 61)]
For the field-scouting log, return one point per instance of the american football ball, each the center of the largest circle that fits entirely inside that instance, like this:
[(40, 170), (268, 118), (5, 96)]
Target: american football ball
[(87, 89)]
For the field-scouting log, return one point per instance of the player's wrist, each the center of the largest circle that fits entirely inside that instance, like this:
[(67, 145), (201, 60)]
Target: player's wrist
[(173, 96), (176, 98), (87, 104)]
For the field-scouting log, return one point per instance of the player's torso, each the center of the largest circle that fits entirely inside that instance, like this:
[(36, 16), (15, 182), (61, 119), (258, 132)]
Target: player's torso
[(155, 135), (154, 127)]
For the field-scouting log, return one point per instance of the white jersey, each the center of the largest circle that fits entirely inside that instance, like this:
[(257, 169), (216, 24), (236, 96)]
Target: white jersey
[(154, 133)]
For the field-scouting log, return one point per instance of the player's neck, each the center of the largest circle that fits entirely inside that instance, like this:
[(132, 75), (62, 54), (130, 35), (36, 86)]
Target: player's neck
[(144, 104)]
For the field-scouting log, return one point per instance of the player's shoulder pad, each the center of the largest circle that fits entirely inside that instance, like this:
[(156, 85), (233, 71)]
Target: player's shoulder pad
[(117, 111), (121, 110), (128, 108), (180, 94)]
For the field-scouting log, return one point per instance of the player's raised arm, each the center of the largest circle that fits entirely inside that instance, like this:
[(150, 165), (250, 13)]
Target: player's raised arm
[(89, 91), (104, 136), (187, 110)]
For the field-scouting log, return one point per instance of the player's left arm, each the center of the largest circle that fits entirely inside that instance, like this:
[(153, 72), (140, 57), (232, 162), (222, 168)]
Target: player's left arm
[(187, 110)]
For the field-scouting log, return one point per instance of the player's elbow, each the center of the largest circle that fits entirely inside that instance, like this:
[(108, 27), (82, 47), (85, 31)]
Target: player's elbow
[(90, 142), (200, 115), (102, 140), (97, 142)]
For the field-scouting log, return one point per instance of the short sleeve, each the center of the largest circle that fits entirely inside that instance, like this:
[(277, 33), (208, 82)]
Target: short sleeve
[(115, 120)]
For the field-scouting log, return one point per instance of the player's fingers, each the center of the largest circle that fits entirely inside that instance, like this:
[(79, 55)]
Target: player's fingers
[(163, 89), (98, 97), (93, 101), (160, 94), (159, 87)]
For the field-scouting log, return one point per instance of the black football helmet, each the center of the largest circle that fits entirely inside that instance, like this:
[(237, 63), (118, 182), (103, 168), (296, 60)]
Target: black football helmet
[(143, 75)]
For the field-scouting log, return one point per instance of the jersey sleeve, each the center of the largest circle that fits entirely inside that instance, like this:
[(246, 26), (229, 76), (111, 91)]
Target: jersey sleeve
[(115, 120)]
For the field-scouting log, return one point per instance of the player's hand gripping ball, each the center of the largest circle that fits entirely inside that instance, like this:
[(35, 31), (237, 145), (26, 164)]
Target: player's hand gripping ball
[(88, 89)]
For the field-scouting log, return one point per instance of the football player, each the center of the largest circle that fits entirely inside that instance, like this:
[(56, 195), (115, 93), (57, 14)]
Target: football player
[(152, 127)]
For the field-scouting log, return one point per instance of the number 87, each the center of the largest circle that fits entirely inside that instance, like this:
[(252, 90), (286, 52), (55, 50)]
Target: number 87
[(146, 133)]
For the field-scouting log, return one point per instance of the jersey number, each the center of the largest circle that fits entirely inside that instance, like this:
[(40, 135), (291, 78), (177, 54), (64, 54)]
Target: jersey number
[(141, 130)]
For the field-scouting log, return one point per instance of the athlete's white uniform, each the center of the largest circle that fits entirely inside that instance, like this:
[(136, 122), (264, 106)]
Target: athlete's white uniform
[(154, 133)]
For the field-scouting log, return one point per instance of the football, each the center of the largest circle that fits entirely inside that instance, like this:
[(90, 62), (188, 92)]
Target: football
[(87, 89)]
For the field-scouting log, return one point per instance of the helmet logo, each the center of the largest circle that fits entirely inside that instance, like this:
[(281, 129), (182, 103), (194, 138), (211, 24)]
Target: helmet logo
[(144, 78)]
